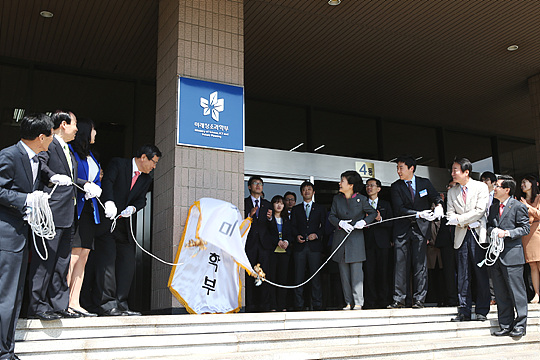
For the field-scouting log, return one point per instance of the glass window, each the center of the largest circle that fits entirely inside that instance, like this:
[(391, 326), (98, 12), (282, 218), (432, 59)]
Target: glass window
[(344, 135), (517, 158), (475, 148), (418, 141), (275, 126)]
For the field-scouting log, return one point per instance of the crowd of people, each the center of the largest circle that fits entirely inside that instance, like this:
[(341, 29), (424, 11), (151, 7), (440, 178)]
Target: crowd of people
[(383, 250), (473, 241), (85, 266)]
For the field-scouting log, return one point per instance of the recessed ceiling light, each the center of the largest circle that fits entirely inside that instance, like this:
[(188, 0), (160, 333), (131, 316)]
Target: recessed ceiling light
[(512, 48), (46, 14), (334, 2)]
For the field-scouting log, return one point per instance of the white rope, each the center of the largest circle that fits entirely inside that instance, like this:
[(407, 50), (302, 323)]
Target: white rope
[(40, 219), (330, 257)]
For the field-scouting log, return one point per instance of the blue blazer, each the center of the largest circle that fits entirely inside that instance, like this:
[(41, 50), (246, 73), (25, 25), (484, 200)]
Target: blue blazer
[(82, 170)]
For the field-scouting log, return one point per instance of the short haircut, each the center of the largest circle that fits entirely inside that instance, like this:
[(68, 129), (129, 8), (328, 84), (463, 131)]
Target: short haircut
[(60, 116), (253, 178), (464, 163), (34, 125), (489, 175), (289, 193), (508, 182), (149, 150), (407, 160), (307, 183), (354, 179), (377, 181), (277, 198)]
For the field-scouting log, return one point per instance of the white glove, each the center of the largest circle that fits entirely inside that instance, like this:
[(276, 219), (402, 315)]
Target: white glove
[(110, 209), (92, 190), (426, 214), (345, 225), (360, 224), (474, 225), (127, 212), (495, 232), (438, 212), (31, 198), (61, 179), (452, 220)]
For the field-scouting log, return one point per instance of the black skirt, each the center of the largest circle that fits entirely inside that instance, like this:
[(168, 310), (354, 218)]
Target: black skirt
[(85, 229)]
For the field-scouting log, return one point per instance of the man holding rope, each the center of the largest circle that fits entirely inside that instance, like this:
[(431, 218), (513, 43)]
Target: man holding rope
[(19, 169), (466, 208), (125, 184)]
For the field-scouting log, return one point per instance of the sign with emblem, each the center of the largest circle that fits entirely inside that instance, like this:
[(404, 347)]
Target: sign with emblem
[(210, 115), (365, 169)]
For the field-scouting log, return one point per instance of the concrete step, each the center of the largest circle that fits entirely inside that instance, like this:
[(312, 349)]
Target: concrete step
[(270, 334)]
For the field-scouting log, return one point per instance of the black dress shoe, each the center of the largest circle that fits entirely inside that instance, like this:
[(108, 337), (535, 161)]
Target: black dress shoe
[(518, 332), (418, 305), (131, 313), (396, 305), (112, 312), (480, 317), (47, 316), (461, 317), (68, 315), (502, 332), (83, 313)]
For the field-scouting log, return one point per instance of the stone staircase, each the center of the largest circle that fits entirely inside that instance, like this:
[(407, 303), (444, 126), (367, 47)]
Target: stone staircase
[(379, 334)]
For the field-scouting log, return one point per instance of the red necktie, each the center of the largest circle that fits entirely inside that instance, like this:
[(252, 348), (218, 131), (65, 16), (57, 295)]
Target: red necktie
[(134, 179), (501, 207), (464, 194)]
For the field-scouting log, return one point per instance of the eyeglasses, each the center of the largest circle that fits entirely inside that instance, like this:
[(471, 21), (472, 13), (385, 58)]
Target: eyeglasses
[(154, 161), (256, 183), (371, 185), (498, 186)]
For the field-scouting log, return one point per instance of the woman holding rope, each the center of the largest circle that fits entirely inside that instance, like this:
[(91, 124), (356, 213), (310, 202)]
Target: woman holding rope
[(350, 212), (87, 212)]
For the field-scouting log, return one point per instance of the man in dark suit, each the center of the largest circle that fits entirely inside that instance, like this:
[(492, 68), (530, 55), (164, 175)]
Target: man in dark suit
[(257, 250), (378, 240), (125, 184), (47, 278), (290, 202), (508, 221), (308, 221), (19, 170), (412, 195)]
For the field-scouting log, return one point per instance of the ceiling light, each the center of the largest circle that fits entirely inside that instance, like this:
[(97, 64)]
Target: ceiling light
[(296, 147), (320, 147), (334, 2), (46, 14), (512, 48)]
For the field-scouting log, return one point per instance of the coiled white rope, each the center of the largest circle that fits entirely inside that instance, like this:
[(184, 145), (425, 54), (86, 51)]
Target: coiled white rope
[(257, 281), (40, 218)]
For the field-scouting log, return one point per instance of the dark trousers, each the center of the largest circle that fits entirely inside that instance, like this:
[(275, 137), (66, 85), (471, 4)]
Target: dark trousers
[(47, 279), (376, 277), (281, 275), (12, 275), (410, 253), (313, 260), (510, 294), (468, 256), (448, 257), (260, 298), (114, 257)]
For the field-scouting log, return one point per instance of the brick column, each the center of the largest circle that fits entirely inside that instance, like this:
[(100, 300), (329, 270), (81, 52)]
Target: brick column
[(203, 40), (534, 94)]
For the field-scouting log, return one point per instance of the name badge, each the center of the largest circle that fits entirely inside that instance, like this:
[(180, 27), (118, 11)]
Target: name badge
[(423, 193)]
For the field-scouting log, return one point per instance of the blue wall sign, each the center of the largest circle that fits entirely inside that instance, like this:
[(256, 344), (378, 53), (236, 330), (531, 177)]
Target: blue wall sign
[(210, 115)]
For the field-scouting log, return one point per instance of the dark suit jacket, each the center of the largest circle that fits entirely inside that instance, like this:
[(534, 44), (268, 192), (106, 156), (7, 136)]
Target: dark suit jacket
[(273, 235), (62, 201), (515, 219), (15, 184), (116, 185), (301, 226), (402, 204), (257, 234), (380, 235)]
